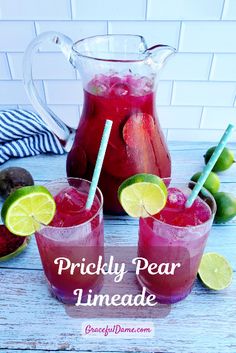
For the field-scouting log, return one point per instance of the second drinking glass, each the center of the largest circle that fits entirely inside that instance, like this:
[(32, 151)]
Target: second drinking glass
[(175, 235)]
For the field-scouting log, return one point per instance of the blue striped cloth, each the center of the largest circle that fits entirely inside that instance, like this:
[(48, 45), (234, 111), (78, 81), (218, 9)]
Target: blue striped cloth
[(23, 134)]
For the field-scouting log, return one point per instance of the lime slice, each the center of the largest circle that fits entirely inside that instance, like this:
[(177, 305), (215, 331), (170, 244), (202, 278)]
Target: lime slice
[(25, 208), (215, 271), (142, 195)]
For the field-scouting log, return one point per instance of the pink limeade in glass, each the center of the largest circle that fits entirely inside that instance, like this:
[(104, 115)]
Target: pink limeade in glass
[(74, 233), (136, 144), (175, 235)]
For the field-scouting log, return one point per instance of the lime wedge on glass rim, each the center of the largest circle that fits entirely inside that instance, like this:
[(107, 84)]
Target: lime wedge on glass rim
[(215, 271), (26, 208), (142, 195)]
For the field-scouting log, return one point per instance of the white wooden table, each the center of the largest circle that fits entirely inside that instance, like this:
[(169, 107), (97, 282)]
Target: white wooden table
[(32, 321)]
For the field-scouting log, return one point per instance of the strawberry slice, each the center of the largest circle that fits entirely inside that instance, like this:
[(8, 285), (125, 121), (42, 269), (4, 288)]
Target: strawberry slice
[(138, 128)]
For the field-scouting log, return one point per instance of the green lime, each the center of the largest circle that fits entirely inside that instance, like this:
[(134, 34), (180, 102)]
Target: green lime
[(212, 183), (25, 208), (142, 195), (226, 207), (215, 271), (225, 160)]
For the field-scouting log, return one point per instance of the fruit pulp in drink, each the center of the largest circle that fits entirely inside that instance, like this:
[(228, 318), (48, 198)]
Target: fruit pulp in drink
[(136, 143), (75, 234), (175, 235)]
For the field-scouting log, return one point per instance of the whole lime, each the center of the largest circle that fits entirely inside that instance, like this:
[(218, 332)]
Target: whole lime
[(225, 160), (226, 207), (212, 184)]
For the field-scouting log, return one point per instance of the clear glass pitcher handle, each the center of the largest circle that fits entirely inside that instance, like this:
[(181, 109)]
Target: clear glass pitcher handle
[(53, 122)]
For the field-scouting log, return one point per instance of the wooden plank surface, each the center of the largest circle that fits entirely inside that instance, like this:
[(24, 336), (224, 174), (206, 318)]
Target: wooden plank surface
[(39, 322), (43, 351), (32, 321)]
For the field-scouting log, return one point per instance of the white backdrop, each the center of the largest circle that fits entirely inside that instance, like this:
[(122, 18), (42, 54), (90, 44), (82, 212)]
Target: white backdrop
[(196, 97)]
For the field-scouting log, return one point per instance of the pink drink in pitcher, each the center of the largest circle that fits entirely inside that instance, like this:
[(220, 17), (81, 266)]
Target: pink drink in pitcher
[(74, 234), (175, 235), (136, 144)]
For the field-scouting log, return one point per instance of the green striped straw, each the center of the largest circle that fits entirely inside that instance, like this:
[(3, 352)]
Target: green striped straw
[(209, 166), (99, 163)]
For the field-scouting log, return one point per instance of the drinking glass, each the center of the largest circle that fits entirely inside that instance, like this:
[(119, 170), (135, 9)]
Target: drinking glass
[(162, 243), (82, 240)]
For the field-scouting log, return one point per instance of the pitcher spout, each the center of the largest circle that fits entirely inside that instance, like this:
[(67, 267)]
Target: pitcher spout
[(158, 54)]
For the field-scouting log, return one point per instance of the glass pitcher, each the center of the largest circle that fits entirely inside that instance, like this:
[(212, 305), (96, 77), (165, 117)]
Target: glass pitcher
[(119, 75)]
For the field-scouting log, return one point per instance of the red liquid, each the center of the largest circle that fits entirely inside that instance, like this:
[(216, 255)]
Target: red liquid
[(136, 144), (85, 241), (175, 213), (174, 240), (70, 210)]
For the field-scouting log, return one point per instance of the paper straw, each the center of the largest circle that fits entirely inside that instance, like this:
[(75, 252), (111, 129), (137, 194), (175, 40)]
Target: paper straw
[(209, 166), (99, 163)]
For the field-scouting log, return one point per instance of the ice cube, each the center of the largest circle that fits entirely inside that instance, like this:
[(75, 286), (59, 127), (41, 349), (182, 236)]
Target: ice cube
[(142, 86), (99, 85), (120, 89), (201, 211), (176, 198), (99, 89), (69, 200), (114, 79)]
